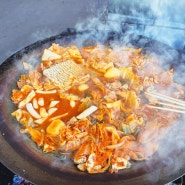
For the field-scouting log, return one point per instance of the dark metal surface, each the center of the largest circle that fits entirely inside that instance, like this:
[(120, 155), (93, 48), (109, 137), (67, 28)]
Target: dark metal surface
[(24, 22), (23, 157)]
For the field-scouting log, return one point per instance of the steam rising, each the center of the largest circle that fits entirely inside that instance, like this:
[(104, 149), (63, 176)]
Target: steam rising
[(161, 20)]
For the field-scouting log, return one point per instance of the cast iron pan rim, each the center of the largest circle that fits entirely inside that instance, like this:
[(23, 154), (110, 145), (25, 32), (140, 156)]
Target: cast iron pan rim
[(27, 50)]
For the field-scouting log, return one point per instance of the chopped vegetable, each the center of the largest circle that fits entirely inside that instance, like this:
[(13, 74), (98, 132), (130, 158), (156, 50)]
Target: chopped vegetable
[(89, 102)]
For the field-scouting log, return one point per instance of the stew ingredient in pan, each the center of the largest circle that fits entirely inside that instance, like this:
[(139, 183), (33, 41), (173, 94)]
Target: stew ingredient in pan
[(91, 103)]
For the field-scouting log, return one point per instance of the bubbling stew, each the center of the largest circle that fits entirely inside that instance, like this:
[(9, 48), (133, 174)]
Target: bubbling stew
[(91, 102)]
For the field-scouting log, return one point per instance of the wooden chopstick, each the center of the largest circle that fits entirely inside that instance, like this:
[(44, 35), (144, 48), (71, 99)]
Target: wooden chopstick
[(165, 108), (171, 104), (166, 98)]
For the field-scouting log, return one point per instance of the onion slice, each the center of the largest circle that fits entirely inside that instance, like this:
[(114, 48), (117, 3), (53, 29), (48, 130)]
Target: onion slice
[(46, 92), (52, 110), (53, 103), (87, 112), (32, 111), (27, 99)]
